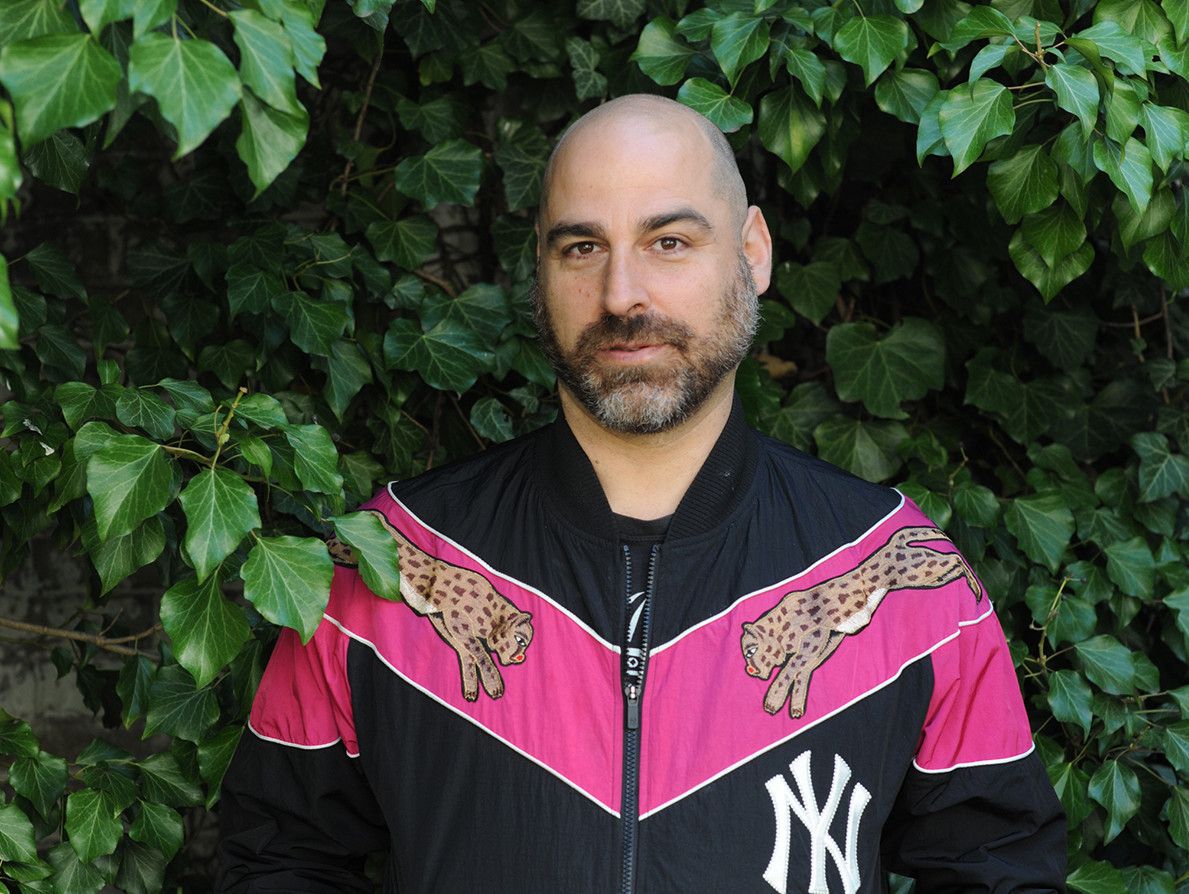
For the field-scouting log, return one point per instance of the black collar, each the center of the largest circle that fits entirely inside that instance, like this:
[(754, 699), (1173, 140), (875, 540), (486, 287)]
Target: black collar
[(570, 481)]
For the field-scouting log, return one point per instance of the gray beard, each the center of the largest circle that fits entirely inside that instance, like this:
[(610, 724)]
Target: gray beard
[(642, 400)]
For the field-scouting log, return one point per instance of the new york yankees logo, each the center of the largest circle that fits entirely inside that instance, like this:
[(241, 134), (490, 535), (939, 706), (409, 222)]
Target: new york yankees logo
[(817, 820)]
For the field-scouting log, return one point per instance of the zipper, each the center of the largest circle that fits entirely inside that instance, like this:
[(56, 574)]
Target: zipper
[(633, 665)]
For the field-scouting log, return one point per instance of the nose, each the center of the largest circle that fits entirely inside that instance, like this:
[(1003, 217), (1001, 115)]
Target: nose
[(625, 293)]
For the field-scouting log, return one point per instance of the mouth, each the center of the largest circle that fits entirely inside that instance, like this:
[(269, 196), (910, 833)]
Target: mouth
[(633, 352)]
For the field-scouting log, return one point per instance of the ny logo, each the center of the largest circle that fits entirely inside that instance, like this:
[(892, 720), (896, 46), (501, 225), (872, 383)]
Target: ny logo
[(817, 819)]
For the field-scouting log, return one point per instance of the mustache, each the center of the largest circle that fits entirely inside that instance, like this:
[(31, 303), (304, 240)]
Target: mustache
[(611, 330)]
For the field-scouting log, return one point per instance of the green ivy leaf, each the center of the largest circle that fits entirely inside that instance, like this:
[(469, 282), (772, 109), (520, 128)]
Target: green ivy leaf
[(24, 19), (448, 356), (159, 827), (872, 42), (288, 580), (178, 708), (1049, 279), (375, 549), (137, 408), (1161, 472), (1070, 699), (314, 325), (491, 420), (1131, 566), (270, 139), (620, 13), (251, 289), (1077, 93), (214, 757), (1043, 525), (70, 873), (729, 113), (407, 242), (790, 125), (1129, 167), (482, 308), (1093, 877), (1108, 664), (266, 60), (117, 557), (904, 94), (1142, 18), (58, 80), (17, 737), (1107, 38), (17, 842), (867, 449), (1176, 745), (584, 60), (92, 823), (142, 868), (163, 782), (1024, 183), (347, 371), (973, 114), (316, 460), (811, 290), (883, 372), (1115, 786), (806, 67), (737, 40), (129, 480), (980, 23), (42, 780), (449, 172), (661, 53), (221, 510), (194, 84), (9, 320), (521, 155)]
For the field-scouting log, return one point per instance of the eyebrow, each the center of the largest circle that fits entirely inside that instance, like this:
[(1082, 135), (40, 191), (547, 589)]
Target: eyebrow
[(590, 230)]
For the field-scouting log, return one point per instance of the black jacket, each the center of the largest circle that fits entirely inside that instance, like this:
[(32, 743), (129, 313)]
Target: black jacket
[(826, 695)]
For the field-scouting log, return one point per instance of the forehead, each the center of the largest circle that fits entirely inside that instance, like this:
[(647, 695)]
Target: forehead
[(632, 165)]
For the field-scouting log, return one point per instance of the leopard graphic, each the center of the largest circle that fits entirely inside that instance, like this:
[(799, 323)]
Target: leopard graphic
[(465, 609), (806, 626)]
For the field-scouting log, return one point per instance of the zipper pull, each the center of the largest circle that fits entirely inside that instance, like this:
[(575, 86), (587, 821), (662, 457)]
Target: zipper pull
[(632, 691)]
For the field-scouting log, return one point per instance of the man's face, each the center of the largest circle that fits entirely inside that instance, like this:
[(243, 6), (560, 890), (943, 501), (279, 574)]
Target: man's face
[(651, 397), (644, 298)]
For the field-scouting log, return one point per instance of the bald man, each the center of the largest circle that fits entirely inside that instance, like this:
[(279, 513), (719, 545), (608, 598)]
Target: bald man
[(646, 649)]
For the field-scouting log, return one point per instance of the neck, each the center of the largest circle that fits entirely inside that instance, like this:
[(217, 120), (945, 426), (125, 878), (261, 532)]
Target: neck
[(645, 476)]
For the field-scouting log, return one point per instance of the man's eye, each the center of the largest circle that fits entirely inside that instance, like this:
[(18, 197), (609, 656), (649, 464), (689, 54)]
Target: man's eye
[(581, 248), (669, 243)]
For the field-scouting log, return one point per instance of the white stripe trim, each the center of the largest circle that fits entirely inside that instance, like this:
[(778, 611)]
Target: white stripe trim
[(782, 583), (276, 741), (501, 575), (987, 763), (468, 718)]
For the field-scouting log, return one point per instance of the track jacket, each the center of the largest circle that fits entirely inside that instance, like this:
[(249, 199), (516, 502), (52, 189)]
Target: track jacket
[(815, 691)]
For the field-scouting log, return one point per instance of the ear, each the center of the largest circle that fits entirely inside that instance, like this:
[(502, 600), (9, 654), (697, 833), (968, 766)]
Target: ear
[(757, 248)]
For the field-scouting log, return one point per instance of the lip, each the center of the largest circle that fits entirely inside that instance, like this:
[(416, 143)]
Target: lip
[(632, 354)]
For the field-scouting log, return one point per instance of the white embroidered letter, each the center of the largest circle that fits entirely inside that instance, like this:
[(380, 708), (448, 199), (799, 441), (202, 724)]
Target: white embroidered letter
[(817, 820)]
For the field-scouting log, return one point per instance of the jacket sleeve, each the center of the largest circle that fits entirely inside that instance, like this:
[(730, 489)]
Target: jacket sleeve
[(297, 813), (976, 812)]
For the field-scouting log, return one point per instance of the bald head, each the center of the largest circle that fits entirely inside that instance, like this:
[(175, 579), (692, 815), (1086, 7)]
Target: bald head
[(643, 111)]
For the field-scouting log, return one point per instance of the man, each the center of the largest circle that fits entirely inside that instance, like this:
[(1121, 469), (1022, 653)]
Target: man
[(647, 649)]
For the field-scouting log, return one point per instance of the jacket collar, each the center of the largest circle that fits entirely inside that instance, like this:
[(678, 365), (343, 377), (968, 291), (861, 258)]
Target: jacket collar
[(573, 487)]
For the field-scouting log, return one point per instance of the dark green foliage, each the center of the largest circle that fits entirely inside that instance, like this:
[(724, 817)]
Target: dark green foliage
[(262, 256)]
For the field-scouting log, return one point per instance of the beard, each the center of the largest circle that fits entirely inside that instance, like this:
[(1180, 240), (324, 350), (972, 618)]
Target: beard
[(650, 399)]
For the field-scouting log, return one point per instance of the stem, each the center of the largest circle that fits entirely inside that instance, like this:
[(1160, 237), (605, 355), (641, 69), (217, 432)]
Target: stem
[(214, 8), (221, 434), (367, 98), (94, 639)]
